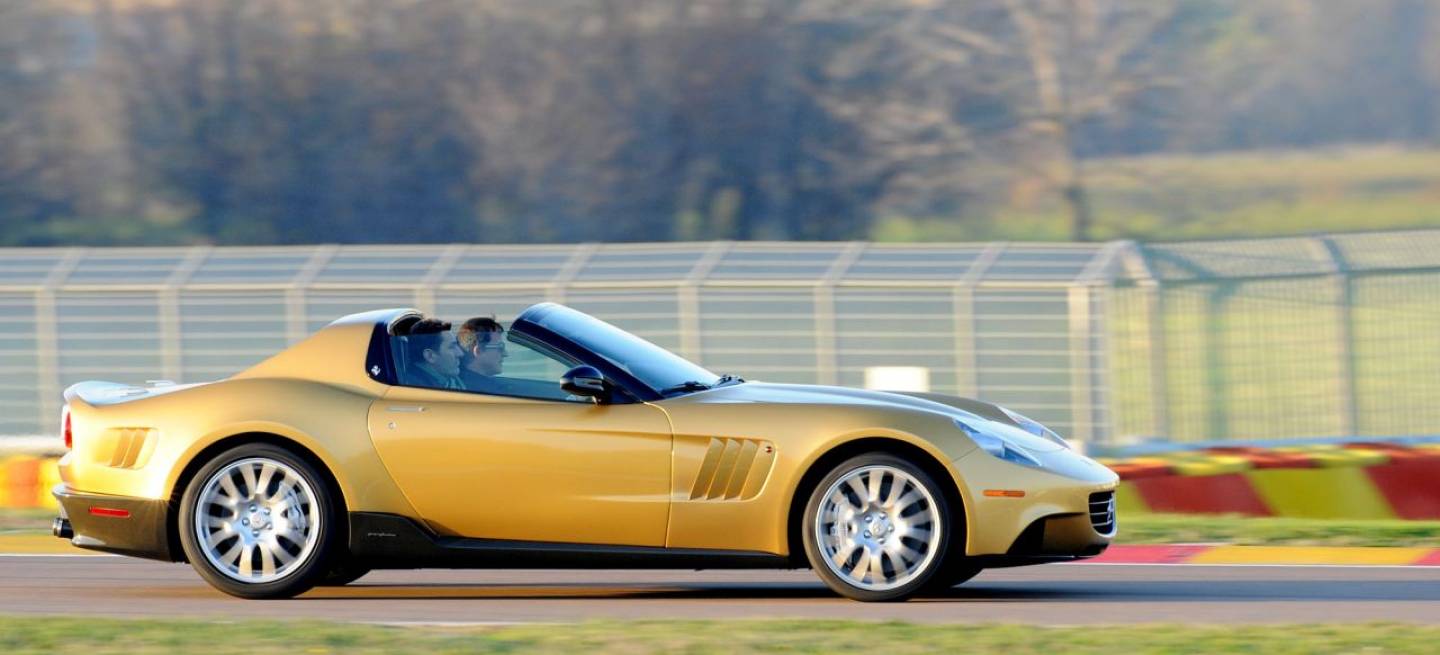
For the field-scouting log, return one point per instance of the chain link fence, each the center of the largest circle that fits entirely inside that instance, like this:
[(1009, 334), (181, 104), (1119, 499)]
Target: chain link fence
[(1108, 343), (1306, 337)]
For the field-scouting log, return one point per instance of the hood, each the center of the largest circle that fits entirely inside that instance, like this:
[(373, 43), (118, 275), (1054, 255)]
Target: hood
[(971, 411)]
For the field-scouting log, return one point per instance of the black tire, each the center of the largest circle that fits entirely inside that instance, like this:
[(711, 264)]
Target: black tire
[(924, 572), (304, 574), (956, 572)]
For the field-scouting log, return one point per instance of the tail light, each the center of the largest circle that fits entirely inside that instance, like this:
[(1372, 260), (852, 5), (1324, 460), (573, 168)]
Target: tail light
[(65, 430)]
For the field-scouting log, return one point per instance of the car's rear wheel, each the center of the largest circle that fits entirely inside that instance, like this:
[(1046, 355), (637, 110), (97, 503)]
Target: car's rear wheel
[(256, 522), (877, 528)]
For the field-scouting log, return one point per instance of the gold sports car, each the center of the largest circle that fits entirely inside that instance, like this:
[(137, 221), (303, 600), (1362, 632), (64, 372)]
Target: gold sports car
[(375, 444)]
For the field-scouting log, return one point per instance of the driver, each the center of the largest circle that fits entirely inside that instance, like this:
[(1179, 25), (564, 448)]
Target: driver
[(434, 355), (482, 339)]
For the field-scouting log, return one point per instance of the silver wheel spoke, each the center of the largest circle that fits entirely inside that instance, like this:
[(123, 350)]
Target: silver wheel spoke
[(865, 537), (896, 488), (842, 556), (862, 569), (872, 493), (282, 556), (860, 491), (233, 494), (267, 471), (906, 553), (267, 560), (217, 537), (232, 555), (247, 473), (247, 559)]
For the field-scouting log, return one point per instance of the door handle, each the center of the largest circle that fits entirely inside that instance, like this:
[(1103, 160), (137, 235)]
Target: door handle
[(408, 409)]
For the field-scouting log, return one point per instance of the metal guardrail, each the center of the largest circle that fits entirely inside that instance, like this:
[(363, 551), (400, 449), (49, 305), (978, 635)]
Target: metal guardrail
[(1306, 337), (1018, 323)]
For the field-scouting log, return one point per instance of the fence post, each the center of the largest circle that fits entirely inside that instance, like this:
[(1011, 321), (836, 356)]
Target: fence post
[(967, 348), (560, 284), (827, 364), (296, 313), (171, 357), (1347, 410), (425, 290), (1082, 362), (1138, 268), (687, 300), (1216, 382), (47, 336)]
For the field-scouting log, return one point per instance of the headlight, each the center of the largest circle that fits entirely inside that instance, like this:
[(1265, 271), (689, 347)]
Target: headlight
[(1033, 427), (998, 445)]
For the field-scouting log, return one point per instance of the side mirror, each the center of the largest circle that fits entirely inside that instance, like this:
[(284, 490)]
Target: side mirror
[(585, 381)]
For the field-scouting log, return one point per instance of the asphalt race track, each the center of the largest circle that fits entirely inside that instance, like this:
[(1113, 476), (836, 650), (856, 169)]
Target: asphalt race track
[(1056, 594)]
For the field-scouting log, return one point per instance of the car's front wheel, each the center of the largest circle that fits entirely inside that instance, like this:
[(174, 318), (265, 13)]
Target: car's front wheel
[(877, 528), (256, 522)]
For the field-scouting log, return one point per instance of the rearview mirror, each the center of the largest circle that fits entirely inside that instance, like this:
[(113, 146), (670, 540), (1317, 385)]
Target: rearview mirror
[(585, 381)]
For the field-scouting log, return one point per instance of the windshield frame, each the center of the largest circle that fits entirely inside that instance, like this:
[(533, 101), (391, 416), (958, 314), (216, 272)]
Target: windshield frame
[(608, 348)]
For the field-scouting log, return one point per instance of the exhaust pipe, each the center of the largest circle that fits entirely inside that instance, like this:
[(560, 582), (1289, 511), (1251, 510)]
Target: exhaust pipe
[(60, 527)]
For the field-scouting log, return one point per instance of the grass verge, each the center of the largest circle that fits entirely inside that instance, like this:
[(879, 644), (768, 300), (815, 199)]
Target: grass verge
[(26, 521), (1275, 531), (100, 636)]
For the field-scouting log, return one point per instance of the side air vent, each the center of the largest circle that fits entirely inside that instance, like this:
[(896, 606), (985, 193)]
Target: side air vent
[(125, 448), (733, 469)]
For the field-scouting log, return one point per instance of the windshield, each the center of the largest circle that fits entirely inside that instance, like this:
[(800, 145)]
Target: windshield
[(654, 366)]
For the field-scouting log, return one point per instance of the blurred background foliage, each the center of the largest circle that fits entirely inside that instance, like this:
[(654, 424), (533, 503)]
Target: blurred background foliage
[(354, 121)]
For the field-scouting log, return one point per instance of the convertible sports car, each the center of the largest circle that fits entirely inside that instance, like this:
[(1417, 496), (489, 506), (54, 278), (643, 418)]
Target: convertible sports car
[(365, 447)]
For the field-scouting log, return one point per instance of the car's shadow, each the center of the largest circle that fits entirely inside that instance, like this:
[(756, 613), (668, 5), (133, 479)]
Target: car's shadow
[(977, 592)]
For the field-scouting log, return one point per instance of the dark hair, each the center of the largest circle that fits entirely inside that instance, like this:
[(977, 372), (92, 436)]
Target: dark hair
[(470, 332), (425, 335)]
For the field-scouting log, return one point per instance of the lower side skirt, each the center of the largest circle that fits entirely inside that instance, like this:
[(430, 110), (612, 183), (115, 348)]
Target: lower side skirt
[(390, 541)]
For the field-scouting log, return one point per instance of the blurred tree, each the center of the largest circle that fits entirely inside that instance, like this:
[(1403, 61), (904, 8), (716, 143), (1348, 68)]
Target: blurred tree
[(35, 166), (1039, 85), (280, 121), (300, 121)]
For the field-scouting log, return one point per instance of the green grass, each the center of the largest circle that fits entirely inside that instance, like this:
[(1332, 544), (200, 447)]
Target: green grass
[(1249, 531), (100, 636), (1219, 195)]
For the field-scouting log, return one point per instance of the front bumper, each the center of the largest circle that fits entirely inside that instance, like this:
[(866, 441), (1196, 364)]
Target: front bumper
[(117, 524), (1051, 521)]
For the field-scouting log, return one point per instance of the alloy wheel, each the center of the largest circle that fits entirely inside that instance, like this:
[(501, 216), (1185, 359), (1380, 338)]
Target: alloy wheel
[(877, 528)]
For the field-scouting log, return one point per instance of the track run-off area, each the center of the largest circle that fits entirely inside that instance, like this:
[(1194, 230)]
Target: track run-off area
[(1054, 594)]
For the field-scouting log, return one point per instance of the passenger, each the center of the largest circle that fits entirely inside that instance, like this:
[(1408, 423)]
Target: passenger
[(434, 355), (482, 339)]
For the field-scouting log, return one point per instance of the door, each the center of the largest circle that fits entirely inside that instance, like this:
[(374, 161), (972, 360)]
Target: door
[(532, 465)]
